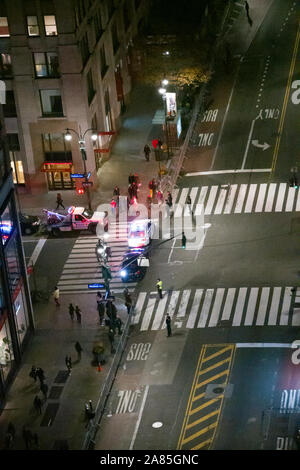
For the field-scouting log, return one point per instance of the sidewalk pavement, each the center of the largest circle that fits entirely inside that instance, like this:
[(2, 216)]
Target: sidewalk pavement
[(56, 333)]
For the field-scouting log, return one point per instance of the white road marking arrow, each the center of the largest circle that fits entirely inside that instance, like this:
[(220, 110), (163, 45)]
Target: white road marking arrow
[(264, 146)]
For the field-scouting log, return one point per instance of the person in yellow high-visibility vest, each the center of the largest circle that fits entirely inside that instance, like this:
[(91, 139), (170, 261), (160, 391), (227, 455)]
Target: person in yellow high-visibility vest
[(159, 288)]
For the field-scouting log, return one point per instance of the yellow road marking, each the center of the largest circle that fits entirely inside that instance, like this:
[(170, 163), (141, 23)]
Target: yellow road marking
[(199, 433), (286, 96), (204, 418), (204, 405), (216, 354), (202, 444), (214, 366), (201, 395), (211, 378)]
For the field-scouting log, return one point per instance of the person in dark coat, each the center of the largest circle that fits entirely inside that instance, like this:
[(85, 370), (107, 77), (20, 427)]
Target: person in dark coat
[(78, 349), (78, 313), (40, 374), (168, 323), (147, 152), (59, 201), (130, 179), (37, 402), (33, 373), (116, 191), (111, 337), (101, 311), (44, 390), (128, 301), (71, 311), (111, 310), (119, 324)]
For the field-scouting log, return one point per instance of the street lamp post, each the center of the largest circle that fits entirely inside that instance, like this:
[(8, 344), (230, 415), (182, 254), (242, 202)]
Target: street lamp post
[(163, 91), (81, 142)]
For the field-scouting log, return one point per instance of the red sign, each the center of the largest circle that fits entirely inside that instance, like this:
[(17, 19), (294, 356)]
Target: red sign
[(155, 143), (101, 150), (106, 133)]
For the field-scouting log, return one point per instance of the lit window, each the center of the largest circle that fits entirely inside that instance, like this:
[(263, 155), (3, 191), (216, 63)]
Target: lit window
[(4, 31), (5, 65), (50, 25), (32, 26), (51, 103), (46, 64)]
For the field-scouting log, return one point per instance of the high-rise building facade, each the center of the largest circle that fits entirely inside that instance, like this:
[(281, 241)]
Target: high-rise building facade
[(16, 320), (66, 64)]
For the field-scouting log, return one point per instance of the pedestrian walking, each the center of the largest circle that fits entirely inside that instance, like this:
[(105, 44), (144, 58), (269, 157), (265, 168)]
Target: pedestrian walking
[(183, 240), (101, 311), (116, 191), (159, 287), (59, 201), (37, 403), (189, 204), (90, 405), (128, 300), (78, 313), (111, 310), (78, 349), (68, 362), (169, 200), (160, 197), (40, 374), (56, 296), (32, 373), (147, 152), (168, 323), (118, 324), (27, 436), (44, 390), (130, 179), (111, 337), (71, 311)]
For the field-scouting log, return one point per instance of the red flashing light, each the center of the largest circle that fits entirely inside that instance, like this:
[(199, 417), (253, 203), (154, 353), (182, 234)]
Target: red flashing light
[(80, 191)]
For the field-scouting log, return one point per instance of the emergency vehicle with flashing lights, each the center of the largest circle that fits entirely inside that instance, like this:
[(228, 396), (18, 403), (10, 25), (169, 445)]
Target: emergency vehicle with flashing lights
[(140, 233), (77, 218)]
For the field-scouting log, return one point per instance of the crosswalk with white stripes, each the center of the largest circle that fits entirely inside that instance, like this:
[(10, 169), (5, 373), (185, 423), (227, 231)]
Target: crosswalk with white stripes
[(82, 267), (201, 308), (240, 198)]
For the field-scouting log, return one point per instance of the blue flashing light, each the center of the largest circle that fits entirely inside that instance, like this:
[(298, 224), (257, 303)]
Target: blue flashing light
[(6, 227)]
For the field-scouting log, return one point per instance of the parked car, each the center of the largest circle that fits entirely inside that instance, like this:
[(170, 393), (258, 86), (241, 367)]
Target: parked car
[(131, 270)]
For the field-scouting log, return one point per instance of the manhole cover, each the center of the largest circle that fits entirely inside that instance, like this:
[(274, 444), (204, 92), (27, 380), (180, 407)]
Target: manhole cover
[(218, 390)]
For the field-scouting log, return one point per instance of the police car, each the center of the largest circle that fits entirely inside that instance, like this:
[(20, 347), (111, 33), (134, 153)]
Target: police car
[(140, 233)]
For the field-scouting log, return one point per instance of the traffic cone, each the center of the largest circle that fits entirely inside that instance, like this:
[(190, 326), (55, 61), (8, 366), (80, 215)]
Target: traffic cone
[(99, 367)]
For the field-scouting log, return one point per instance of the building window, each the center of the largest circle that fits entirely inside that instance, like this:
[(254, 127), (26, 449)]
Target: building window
[(4, 30), (84, 47), (103, 63), (56, 148), (50, 25), (33, 26), (9, 108), (15, 160), (46, 64), (115, 38), (51, 103), (90, 86), (5, 65)]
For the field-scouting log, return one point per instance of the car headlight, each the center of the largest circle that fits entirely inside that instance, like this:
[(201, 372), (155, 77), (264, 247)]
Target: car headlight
[(36, 223), (123, 273)]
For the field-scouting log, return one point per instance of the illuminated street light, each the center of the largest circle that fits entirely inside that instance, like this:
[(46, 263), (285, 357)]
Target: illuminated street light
[(162, 91), (165, 82)]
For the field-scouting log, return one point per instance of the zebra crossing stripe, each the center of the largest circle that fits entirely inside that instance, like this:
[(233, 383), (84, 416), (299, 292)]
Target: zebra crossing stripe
[(181, 202), (251, 306), (194, 309), (290, 200), (201, 200), (228, 304), (239, 307), (173, 303), (216, 308), (250, 198), (286, 305), (274, 306), (205, 308), (193, 195), (298, 201), (280, 197), (240, 199), (221, 201), (138, 307), (270, 197), (263, 306), (230, 201), (183, 304), (261, 197), (148, 313), (157, 322), (211, 199)]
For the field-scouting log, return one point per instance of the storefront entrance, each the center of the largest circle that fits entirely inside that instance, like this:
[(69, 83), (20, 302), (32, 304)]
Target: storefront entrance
[(58, 175)]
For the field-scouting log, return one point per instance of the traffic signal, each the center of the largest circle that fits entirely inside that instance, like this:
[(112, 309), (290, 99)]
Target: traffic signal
[(80, 191)]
